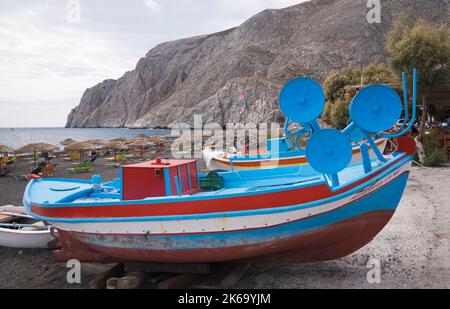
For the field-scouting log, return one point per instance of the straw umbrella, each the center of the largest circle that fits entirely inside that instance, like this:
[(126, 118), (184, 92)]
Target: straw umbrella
[(115, 146), (120, 139), (6, 149), (68, 142), (161, 140), (98, 143), (141, 144), (81, 147), (142, 135), (35, 149)]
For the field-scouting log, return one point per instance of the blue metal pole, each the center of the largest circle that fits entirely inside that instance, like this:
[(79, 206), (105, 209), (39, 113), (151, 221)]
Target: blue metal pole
[(374, 147), (366, 158), (414, 113)]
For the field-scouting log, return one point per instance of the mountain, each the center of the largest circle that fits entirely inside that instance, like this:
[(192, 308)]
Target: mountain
[(206, 74)]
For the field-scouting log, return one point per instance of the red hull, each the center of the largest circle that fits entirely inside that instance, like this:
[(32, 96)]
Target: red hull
[(329, 243)]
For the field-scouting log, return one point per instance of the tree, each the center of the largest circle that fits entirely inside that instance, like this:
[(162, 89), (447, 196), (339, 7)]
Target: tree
[(336, 112), (423, 46)]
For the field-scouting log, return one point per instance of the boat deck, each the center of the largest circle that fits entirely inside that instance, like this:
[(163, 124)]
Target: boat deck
[(63, 191)]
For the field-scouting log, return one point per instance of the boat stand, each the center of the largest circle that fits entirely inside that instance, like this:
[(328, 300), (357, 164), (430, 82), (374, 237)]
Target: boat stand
[(169, 276)]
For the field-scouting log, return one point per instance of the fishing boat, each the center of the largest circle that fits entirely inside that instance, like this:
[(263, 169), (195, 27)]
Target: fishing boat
[(286, 151), (159, 211), (19, 230), (217, 160)]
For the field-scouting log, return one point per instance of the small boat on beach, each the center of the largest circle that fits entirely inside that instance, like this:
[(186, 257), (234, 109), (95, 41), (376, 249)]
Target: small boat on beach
[(286, 151), (19, 230), (219, 160), (161, 212)]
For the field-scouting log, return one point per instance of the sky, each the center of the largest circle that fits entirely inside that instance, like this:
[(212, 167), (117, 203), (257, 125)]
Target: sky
[(51, 51)]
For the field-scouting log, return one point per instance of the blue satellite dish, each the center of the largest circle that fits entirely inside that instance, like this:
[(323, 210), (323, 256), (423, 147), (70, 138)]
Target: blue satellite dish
[(356, 135), (376, 108), (329, 151), (302, 100)]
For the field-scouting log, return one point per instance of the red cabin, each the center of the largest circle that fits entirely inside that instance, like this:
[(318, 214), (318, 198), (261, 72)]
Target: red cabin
[(159, 178)]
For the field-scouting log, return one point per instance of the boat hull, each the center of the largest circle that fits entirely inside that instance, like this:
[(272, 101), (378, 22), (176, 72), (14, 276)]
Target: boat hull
[(322, 232), (217, 161), (22, 239)]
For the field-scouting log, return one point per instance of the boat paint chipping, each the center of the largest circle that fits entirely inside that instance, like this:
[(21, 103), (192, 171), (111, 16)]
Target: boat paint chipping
[(364, 219)]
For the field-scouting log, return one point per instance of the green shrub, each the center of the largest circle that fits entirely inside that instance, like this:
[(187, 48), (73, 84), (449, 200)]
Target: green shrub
[(436, 158), (340, 114), (336, 94), (435, 154)]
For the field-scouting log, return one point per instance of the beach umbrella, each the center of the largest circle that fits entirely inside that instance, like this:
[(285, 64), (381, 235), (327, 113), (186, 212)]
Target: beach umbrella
[(157, 140), (142, 135), (141, 144), (81, 147), (119, 139), (115, 146), (35, 149), (6, 149), (137, 139), (98, 143), (68, 142)]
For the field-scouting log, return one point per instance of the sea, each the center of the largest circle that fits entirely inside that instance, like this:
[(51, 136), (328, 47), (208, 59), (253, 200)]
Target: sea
[(19, 137)]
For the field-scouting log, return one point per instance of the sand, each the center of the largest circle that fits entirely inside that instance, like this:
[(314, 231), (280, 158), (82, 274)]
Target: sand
[(414, 249)]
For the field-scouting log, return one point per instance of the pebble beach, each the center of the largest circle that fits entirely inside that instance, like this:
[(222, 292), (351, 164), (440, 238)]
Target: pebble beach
[(413, 250)]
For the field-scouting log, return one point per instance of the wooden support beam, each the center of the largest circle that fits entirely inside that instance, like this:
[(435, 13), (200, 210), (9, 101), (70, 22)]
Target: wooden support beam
[(177, 282), (129, 282), (197, 269), (234, 276), (100, 282)]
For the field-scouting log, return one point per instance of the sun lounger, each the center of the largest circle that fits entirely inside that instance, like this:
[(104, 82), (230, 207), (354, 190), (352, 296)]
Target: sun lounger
[(82, 168)]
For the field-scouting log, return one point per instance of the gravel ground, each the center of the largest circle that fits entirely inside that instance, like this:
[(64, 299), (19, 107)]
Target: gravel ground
[(414, 250)]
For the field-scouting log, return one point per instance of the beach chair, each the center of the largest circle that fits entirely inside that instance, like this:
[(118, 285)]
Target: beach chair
[(75, 156), (9, 168), (48, 171), (4, 160), (82, 168)]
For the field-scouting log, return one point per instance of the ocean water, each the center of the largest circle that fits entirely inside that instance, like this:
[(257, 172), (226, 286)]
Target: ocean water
[(16, 138)]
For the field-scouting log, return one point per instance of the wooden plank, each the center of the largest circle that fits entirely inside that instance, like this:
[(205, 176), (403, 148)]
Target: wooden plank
[(112, 283), (196, 269), (234, 276), (177, 282), (132, 281), (100, 282)]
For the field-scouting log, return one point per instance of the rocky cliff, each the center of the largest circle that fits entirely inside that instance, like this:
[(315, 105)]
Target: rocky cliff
[(205, 74)]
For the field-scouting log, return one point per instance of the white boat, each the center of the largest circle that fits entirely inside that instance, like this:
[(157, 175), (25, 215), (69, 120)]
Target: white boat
[(18, 230)]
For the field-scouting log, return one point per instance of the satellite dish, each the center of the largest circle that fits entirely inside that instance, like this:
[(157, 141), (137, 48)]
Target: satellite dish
[(376, 108), (329, 151), (355, 135), (302, 100)]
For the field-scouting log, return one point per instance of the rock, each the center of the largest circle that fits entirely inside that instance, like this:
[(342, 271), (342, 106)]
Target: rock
[(205, 74)]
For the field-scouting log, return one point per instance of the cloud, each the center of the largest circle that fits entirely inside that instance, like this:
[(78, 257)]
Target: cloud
[(44, 57), (152, 4)]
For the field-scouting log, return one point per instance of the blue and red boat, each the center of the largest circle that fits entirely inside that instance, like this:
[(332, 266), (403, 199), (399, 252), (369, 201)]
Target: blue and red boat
[(156, 211)]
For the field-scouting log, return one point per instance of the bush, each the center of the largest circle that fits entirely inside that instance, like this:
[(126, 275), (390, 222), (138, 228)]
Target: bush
[(340, 114), (336, 110), (435, 154), (436, 158)]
